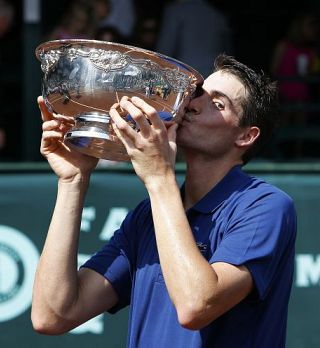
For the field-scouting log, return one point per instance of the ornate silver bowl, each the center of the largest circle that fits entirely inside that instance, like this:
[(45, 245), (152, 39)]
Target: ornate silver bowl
[(84, 78)]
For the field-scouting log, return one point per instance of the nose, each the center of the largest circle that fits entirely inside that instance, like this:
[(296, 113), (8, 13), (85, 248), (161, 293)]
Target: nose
[(198, 91), (195, 104), (195, 101)]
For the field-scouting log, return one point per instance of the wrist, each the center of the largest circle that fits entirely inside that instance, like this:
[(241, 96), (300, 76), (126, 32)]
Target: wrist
[(161, 183), (78, 182)]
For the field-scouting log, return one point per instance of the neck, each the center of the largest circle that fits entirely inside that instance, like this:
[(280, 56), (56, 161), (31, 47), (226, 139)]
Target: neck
[(202, 176)]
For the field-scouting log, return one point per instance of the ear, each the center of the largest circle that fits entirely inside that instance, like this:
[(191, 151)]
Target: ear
[(247, 136)]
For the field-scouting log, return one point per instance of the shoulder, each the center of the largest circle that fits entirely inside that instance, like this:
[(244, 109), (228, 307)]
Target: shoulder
[(261, 216), (267, 189), (259, 194)]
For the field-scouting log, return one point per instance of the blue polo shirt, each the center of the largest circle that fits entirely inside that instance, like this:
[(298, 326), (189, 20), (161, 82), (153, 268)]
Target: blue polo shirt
[(242, 221)]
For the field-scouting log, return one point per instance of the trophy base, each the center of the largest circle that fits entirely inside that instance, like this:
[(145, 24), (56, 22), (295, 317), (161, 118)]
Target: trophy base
[(93, 135)]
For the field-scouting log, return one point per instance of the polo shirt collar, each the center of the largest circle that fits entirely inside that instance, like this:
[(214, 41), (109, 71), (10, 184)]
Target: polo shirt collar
[(233, 181)]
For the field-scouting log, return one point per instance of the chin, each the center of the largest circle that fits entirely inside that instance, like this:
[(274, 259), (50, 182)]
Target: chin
[(183, 143), (179, 138), (183, 136)]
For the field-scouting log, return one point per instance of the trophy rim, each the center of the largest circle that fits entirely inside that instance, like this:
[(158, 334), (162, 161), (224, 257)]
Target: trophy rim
[(52, 44)]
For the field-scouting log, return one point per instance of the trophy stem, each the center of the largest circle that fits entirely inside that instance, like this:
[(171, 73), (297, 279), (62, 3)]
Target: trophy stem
[(93, 135)]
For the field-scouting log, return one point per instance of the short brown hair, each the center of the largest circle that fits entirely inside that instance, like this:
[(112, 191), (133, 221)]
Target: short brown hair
[(261, 104)]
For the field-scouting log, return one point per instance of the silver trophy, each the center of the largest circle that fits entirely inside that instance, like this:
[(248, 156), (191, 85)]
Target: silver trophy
[(84, 78)]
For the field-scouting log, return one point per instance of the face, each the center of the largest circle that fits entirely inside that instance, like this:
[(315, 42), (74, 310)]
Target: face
[(210, 125)]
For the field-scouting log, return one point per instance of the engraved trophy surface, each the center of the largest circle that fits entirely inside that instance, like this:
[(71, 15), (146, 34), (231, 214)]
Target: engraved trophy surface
[(82, 79)]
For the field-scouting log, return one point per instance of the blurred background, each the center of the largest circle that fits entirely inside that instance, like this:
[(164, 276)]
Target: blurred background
[(280, 38)]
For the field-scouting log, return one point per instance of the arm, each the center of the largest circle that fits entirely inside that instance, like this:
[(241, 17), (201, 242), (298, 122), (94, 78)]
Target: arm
[(200, 292), (63, 298)]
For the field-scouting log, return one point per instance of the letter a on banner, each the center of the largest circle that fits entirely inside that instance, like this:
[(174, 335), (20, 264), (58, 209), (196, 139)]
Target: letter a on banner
[(113, 222)]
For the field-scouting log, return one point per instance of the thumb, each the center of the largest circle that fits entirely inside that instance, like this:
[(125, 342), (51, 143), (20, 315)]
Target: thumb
[(172, 132)]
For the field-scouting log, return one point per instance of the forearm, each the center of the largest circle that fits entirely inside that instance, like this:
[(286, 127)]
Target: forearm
[(56, 282), (189, 278)]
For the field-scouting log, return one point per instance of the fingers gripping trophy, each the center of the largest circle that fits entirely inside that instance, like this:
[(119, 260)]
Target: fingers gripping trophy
[(84, 79)]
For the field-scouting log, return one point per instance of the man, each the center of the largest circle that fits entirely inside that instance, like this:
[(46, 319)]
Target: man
[(209, 265)]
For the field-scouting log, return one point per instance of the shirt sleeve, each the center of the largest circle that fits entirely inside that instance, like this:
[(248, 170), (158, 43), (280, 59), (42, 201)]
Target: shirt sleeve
[(115, 261), (259, 235)]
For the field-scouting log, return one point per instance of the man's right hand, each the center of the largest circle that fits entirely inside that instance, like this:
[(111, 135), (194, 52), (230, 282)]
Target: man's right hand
[(68, 164)]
